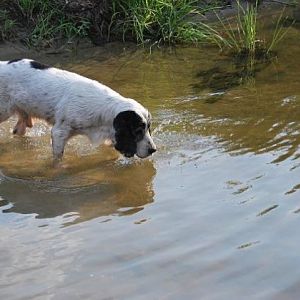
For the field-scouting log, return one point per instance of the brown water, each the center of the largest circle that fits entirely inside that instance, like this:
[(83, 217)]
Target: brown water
[(213, 215)]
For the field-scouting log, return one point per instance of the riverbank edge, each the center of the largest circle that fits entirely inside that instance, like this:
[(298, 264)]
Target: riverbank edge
[(17, 48)]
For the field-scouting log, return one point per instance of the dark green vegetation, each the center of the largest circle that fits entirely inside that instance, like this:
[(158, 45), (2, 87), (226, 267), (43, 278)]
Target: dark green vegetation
[(39, 22), (243, 35), (43, 23), (158, 21), (6, 25)]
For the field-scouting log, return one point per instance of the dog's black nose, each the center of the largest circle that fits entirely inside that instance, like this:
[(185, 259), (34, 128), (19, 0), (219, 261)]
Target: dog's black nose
[(151, 150)]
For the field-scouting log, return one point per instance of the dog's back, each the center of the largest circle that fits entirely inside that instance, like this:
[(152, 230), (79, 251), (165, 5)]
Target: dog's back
[(38, 89)]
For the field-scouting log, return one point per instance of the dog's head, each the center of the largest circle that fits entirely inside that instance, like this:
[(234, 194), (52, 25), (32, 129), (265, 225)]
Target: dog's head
[(132, 134)]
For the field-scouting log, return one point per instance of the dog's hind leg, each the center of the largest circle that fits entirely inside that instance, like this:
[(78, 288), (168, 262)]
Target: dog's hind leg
[(4, 112), (23, 122), (60, 135)]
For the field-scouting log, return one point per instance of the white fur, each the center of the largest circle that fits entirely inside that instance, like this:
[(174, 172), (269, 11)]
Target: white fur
[(73, 104)]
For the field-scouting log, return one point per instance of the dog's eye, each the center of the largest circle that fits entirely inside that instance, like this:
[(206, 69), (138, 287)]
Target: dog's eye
[(139, 133)]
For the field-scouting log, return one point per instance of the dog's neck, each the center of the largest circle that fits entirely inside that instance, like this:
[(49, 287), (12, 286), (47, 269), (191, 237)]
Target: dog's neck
[(104, 135)]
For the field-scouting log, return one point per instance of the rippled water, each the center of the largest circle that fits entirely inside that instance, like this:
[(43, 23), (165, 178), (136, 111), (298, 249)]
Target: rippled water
[(213, 215)]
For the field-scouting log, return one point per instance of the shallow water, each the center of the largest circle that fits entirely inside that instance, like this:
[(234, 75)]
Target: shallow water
[(213, 215)]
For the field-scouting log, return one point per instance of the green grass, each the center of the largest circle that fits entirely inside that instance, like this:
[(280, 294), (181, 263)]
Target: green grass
[(30, 7), (159, 21), (240, 35), (44, 21), (169, 22), (243, 35), (278, 33), (6, 26), (50, 22)]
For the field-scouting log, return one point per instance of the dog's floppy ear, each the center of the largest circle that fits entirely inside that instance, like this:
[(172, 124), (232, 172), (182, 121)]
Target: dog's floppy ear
[(128, 120), (120, 121)]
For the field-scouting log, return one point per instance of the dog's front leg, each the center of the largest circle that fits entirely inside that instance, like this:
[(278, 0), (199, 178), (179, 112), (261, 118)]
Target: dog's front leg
[(60, 135)]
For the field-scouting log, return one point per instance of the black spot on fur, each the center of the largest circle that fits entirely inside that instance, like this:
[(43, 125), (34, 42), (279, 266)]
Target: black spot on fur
[(39, 66), (130, 129), (14, 60)]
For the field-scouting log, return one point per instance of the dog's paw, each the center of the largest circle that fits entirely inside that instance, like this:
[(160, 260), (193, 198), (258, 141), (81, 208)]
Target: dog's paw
[(59, 165), (19, 130)]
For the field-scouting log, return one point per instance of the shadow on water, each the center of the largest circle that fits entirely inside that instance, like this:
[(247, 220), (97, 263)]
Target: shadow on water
[(232, 71)]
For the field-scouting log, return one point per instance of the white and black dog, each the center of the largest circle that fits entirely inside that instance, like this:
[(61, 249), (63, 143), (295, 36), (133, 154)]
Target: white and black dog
[(73, 104)]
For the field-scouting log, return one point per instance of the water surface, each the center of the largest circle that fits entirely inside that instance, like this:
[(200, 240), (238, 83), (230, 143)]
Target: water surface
[(213, 215)]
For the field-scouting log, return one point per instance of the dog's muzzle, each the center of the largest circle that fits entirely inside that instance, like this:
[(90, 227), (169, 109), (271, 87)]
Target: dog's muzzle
[(140, 155), (146, 147)]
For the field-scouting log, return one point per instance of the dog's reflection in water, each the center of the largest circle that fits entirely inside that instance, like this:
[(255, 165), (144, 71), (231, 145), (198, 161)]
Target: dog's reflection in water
[(111, 189)]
